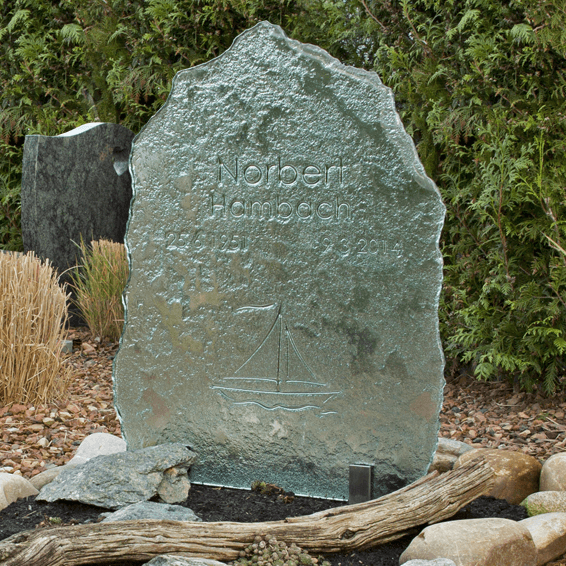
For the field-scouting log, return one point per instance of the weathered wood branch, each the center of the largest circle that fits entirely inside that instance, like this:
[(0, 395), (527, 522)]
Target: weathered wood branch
[(354, 527)]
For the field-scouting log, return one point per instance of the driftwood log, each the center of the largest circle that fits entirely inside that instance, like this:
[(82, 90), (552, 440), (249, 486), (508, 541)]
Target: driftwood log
[(431, 499)]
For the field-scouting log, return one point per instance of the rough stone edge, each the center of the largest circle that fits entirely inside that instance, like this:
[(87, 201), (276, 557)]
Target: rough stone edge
[(415, 164)]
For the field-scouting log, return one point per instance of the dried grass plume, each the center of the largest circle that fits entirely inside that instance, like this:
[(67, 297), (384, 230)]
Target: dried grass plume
[(99, 283), (33, 314)]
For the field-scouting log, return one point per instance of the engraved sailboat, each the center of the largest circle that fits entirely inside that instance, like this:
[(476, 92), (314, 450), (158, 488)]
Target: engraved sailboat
[(276, 376)]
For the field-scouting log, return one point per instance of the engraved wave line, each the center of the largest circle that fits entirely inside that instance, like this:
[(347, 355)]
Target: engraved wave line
[(274, 408)]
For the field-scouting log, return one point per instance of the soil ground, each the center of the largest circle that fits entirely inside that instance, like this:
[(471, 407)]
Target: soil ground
[(213, 504), (34, 437)]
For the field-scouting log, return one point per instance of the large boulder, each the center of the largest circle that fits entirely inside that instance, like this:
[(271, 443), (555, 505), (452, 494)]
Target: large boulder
[(475, 542), (545, 502), (13, 487), (98, 444), (553, 474), (447, 453), (549, 535), (516, 474), (118, 480)]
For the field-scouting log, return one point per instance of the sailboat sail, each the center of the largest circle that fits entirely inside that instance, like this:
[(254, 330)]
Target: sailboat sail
[(276, 375)]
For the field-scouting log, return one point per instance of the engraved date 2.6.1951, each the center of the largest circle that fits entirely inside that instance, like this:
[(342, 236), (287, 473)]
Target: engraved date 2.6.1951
[(199, 240)]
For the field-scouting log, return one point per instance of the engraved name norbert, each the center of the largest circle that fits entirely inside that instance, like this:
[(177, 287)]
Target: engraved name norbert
[(281, 172)]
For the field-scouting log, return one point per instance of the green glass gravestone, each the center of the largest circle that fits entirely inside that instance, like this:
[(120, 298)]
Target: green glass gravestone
[(285, 275)]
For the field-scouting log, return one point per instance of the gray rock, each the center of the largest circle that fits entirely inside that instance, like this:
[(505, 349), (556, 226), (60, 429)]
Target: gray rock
[(282, 307), (175, 485), (169, 560), (75, 184), (117, 480), (447, 452), (43, 478), (97, 444), (67, 347), (151, 510)]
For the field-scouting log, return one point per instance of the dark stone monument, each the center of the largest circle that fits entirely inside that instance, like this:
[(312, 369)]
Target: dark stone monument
[(285, 274), (76, 184)]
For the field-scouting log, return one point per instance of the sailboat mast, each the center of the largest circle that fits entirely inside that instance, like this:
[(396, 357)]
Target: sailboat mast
[(280, 322), (287, 343)]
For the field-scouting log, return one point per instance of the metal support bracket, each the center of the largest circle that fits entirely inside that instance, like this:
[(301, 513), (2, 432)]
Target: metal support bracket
[(360, 483)]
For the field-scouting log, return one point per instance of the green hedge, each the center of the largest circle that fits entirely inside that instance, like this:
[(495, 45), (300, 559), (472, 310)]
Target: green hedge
[(71, 62), (480, 85)]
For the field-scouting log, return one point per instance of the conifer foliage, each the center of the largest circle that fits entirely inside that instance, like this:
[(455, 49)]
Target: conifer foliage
[(480, 85), (70, 62)]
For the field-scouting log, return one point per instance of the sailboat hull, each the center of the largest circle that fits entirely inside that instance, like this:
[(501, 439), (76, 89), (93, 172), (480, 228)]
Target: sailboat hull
[(291, 401)]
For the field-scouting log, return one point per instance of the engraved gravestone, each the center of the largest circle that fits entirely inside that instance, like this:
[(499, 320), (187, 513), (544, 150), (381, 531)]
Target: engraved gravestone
[(285, 275), (76, 184)]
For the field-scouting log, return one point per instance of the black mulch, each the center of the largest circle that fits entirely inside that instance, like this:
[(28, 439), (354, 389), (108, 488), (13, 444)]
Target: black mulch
[(214, 504)]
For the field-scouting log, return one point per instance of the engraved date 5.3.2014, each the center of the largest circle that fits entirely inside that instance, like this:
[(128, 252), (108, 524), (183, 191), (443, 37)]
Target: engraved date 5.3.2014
[(360, 247)]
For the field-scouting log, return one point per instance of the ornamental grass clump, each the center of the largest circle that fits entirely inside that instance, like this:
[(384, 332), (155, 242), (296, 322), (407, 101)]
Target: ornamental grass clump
[(33, 314), (99, 283)]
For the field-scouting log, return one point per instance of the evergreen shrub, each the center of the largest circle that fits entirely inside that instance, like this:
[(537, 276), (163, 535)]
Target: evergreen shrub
[(480, 86), (70, 62)]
